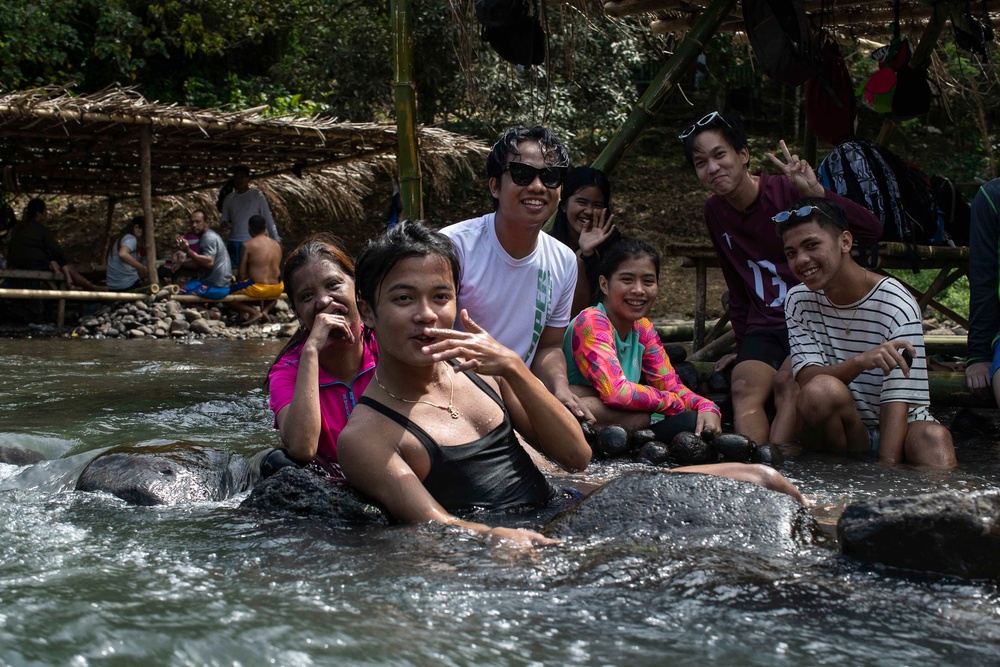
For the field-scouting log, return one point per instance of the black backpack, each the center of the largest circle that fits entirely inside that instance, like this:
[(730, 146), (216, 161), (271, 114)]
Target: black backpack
[(513, 29), (781, 39), (954, 210)]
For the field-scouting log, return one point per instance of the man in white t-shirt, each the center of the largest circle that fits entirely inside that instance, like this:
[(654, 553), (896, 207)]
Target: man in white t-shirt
[(516, 282), (237, 209), (857, 347)]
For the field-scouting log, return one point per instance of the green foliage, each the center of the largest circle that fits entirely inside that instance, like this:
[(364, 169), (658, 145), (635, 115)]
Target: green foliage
[(955, 297)]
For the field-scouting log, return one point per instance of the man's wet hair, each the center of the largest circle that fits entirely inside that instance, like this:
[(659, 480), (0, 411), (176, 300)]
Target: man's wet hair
[(728, 125), (830, 216), (257, 224), (383, 253)]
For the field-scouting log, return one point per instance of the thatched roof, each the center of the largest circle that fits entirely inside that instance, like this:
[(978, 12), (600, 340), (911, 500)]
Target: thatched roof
[(53, 142), (861, 18)]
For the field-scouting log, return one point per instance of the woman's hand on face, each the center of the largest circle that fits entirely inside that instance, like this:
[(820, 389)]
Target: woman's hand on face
[(478, 350), (708, 422), (330, 323), (593, 234)]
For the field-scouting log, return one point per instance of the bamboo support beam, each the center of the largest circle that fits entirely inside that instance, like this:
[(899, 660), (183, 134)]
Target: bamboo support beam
[(407, 156), (146, 195), (663, 84), (82, 295)]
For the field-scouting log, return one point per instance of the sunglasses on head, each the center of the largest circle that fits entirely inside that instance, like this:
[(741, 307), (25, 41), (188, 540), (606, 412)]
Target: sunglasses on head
[(799, 213), (705, 120), (525, 174)]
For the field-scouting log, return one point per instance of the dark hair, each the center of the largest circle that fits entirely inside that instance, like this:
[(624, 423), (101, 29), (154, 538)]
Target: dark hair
[(625, 250), (257, 224), (129, 227), (505, 149), (241, 169), (199, 210), (318, 246), (577, 179), (729, 126), (830, 217), (31, 211), (405, 239)]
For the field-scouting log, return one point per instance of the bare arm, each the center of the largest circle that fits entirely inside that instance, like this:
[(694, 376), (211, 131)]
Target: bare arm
[(242, 274), (549, 366), (204, 261), (126, 256), (372, 465), (892, 431), (886, 356)]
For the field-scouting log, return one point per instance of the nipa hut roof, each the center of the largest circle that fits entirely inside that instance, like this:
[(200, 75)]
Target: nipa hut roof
[(53, 142)]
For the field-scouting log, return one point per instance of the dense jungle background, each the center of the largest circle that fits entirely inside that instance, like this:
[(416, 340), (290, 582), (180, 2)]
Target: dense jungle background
[(334, 57)]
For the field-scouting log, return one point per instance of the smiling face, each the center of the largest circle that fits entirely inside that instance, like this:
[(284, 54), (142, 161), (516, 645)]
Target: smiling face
[(582, 206), (630, 293), (525, 206), (815, 255), (419, 292), (721, 168), (322, 286)]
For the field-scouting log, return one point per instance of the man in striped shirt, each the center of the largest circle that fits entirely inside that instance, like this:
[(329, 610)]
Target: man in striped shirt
[(857, 347)]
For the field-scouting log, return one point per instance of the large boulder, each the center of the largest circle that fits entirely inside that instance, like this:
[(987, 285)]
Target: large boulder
[(948, 532), (689, 509), (299, 492), (168, 474), (16, 456)]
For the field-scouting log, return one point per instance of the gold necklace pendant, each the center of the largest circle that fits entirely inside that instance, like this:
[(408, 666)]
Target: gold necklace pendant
[(450, 408)]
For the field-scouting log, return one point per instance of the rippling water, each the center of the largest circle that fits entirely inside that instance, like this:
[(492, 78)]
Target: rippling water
[(88, 580)]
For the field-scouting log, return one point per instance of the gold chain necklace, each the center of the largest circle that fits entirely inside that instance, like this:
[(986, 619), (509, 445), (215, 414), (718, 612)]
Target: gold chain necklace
[(450, 408), (847, 325)]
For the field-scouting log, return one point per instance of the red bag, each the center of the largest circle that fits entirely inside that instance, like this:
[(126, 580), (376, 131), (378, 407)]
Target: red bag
[(830, 101)]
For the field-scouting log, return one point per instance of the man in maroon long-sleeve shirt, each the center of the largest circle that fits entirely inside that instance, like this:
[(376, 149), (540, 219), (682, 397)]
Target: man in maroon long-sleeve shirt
[(739, 219)]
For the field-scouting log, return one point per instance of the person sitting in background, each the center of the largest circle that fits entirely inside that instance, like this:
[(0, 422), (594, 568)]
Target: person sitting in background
[(584, 224), (618, 366), (431, 437), (211, 261), (857, 347), (125, 271), (259, 275), (316, 380), (984, 293), (32, 247)]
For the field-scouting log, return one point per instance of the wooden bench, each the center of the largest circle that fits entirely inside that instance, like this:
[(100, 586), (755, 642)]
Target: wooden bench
[(950, 264), (51, 281)]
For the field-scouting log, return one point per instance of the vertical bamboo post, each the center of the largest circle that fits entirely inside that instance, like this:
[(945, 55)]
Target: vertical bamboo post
[(662, 84), (405, 92), (109, 226), (146, 195)]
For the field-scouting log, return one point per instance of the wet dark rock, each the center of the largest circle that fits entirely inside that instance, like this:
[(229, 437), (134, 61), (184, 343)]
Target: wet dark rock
[(168, 474), (201, 326), (293, 490), (768, 454), (590, 435), (641, 437), (687, 449), (676, 353), (613, 441), (718, 383), (654, 453), (688, 375), (735, 447), (684, 509), (16, 456), (950, 532), (968, 422)]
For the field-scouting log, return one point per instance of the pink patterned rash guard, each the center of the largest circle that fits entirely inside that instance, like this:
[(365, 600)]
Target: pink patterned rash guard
[(646, 383)]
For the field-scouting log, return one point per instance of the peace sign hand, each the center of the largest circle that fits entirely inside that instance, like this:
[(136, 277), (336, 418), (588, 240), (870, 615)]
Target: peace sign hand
[(798, 171)]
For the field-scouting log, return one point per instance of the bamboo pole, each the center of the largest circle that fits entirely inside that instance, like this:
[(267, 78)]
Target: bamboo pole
[(63, 294), (146, 194), (407, 157), (663, 84)]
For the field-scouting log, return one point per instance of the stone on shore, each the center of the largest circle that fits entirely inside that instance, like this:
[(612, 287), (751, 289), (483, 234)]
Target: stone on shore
[(949, 532)]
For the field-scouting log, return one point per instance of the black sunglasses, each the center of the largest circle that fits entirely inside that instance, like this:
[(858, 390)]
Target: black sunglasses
[(703, 122), (525, 174), (800, 213)]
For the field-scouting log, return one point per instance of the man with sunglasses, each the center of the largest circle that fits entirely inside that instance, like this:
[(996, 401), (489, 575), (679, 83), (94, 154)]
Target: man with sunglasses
[(518, 283), (857, 346), (738, 217)]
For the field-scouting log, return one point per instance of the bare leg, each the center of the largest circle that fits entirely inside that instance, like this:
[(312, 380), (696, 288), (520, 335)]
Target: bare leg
[(752, 384), (929, 444), (763, 475), (605, 416), (251, 314), (829, 417), (784, 428), (74, 279)]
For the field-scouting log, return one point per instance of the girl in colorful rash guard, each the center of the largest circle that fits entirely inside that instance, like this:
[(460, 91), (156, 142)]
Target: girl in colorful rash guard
[(617, 364)]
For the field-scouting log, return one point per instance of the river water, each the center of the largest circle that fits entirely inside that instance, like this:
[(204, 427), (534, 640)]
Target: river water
[(88, 580)]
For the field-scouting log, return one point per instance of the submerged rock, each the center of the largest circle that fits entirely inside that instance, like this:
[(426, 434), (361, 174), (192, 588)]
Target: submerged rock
[(613, 441), (687, 449), (654, 453), (690, 509), (768, 454), (16, 456), (297, 491), (949, 532), (168, 474), (735, 447)]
